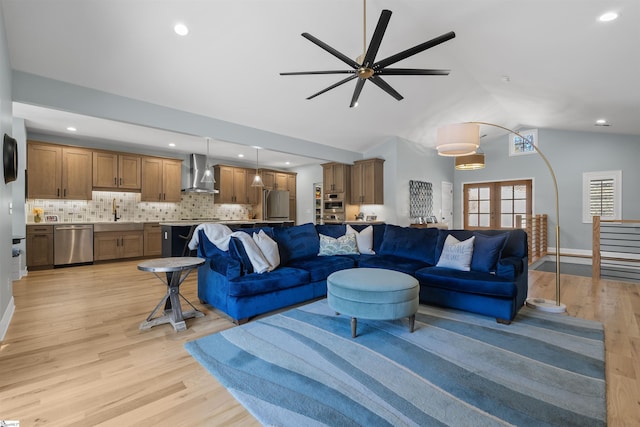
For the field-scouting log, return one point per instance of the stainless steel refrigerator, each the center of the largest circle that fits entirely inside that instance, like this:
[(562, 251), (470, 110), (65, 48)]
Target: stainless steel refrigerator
[(275, 205)]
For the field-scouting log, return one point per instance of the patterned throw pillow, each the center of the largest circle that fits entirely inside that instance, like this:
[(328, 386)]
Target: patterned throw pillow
[(344, 245), (456, 254)]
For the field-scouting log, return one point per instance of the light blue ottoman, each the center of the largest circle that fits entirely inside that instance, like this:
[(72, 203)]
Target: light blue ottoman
[(373, 293)]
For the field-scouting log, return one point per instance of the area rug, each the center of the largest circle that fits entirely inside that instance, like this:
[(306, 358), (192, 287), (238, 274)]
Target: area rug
[(302, 368)]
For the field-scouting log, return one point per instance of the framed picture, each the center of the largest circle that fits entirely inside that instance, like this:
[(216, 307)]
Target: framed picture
[(519, 145), (51, 218), (371, 217)]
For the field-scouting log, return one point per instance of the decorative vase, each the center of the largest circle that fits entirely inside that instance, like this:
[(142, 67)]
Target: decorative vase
[(37, 218)]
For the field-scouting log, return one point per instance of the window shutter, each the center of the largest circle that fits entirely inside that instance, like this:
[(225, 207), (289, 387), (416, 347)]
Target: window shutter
[(602, 197)]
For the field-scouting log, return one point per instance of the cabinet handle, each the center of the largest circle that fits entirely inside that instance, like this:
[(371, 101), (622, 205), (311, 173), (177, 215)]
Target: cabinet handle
[(120, 181), (164, 196), (58, 192), (115, 181), (159, 196), (64, 193)]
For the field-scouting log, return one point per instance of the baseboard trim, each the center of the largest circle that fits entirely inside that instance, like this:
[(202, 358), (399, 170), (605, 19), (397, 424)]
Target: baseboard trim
[(6, 319)]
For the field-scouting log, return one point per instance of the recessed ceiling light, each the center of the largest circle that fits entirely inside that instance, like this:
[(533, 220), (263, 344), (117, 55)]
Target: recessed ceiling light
[(602, 122), (287, 163), (609, 16), (181, 29), (240, 155), (171, 144), (71, 129)]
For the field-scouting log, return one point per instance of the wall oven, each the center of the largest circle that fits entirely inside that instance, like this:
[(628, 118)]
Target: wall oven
[(333, 205)]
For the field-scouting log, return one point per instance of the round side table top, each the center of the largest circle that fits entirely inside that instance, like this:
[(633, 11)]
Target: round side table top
[(169, 264)]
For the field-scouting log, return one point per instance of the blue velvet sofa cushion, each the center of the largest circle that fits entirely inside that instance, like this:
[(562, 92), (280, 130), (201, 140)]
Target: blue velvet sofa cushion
[(280, 278), (332, 230), (486, 251), (299, 241), (206, 249), (412, 243), (392, 262), (473, 282), (320, 267)]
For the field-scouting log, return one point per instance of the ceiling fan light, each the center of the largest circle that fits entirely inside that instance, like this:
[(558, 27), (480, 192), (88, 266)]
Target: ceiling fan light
[(470, 162), (458, 139)]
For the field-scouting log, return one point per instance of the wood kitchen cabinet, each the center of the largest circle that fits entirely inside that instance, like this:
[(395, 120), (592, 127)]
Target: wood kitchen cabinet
[(235, 185), (152, 239), (335, 177), (367, 182), (58, 172), (161, 179), (116, 171), (109, 245), (278, 180), (39, 247)]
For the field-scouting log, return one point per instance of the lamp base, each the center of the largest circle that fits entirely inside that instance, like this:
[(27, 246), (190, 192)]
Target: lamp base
[(547, 305)]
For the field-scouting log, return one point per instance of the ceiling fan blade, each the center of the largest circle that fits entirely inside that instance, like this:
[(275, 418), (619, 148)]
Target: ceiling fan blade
[(374, 45), (298, 73), (341, 56), (333, 86), (411, 72), (377, 80), (356, 93), (414, 50)]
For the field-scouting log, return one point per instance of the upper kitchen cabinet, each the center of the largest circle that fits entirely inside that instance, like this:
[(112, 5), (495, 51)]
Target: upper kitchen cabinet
[(116, 171), (367, 182), (234, 185), (335, 177), (161, 179), (58, 172)]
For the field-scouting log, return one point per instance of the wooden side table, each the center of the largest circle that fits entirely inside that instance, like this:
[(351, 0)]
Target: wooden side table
[(177, 269)]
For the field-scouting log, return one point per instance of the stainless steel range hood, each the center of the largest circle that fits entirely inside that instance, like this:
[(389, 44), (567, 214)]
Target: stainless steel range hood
[(198, 164)]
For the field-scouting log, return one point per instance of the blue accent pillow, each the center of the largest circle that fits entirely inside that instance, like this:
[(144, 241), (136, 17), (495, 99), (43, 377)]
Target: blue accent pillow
[(412, 243), (487, 250), (343, 245), (237, 252), (299, 241)]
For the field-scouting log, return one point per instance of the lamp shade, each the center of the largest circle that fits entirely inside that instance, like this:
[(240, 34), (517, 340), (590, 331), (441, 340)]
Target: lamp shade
[(458, 139), (470, 162)]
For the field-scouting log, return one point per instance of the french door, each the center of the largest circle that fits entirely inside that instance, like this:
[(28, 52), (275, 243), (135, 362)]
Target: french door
[(493, 205)]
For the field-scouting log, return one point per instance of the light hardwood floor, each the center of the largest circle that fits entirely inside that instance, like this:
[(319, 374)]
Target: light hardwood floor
[(74, 356)]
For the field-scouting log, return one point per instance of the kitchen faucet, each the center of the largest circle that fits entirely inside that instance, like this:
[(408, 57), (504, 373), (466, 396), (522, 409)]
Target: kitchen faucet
[(115, 211)]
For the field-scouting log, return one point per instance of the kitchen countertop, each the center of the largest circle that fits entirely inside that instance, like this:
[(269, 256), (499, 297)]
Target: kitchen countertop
[(183, 222)]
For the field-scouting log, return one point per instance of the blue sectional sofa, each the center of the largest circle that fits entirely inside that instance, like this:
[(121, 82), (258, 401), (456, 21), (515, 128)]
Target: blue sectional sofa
[(495, 286)]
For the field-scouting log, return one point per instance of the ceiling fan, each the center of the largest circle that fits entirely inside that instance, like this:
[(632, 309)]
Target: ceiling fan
[(365, 68)]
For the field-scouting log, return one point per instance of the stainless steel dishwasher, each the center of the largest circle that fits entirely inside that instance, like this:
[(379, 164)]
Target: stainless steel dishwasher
[(72, 244)]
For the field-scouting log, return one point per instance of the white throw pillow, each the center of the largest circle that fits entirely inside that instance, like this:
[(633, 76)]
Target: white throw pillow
[(364, 239), (456, 254), (268, 247)]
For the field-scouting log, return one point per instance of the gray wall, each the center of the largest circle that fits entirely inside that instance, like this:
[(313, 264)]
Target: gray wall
[(570, 154), (6, 191)]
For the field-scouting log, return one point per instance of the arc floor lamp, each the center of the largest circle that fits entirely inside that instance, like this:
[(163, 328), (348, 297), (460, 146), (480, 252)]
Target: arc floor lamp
[(463, 139)]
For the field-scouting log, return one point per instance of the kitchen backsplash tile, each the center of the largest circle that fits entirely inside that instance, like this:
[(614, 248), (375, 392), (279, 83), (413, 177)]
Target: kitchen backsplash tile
[(130, 208)]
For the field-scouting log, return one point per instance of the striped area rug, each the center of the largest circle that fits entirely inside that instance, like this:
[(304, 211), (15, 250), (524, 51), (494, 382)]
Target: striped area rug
[(302, 368)]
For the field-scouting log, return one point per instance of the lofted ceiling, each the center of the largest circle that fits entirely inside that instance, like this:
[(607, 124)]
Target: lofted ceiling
[(531, 63)]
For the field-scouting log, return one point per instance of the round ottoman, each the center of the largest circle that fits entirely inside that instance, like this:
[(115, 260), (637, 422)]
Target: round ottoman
[(373, 293)]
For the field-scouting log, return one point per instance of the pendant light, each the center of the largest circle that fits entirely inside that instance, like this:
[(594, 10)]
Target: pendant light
[(257, 179), (207, 177)]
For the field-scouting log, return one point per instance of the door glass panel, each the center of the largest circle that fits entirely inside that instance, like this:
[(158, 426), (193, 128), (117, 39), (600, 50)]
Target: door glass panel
[(473, 207), (473, 220), (506, 220), (506, 206), (484, 193), (506, 192), (485, 220), (485, 206), (520, 192), (520, 206), (473, 194)]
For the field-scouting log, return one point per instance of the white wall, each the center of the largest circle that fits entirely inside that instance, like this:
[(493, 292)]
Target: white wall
[(570, 154), (6, 191), (305, 197)]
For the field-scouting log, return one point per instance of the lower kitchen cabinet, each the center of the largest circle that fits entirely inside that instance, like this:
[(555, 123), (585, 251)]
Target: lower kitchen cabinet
[(118, 244), (152, 240), (39, 247)]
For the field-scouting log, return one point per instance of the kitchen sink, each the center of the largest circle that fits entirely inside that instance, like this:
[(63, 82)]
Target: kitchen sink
[(117, 226)]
